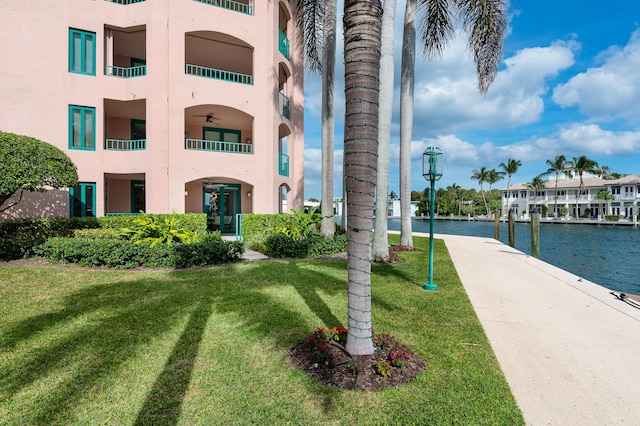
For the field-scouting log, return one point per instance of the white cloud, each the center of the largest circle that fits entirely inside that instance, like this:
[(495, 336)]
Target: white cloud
[(609, 91), (446, 95)]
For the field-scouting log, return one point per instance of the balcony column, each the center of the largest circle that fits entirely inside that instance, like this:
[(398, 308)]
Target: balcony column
[(108, 47)]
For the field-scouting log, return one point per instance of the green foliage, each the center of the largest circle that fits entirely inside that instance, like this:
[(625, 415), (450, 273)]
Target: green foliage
[(157, 230), (612, 217), (256, 228), (116, 253), (545, 209), (564, 210), (299, 224), (281, 245), (97, 234), (18, 237), (284, 246), (33, 165), (196, 222)]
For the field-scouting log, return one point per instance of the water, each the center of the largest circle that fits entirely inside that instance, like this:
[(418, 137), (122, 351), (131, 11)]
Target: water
[(602, 254)]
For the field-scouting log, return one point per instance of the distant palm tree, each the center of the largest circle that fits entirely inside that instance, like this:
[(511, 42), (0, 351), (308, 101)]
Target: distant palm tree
[(536, 184), (605, 196), (494, 177), (605, 172), (510, 168), (557, 166), (581, 165), (481, 176)]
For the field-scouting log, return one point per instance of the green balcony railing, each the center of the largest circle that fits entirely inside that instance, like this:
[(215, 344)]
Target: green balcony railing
[(218, 146), (235, 6), (126, 72), (125, 145), (234, 77), (125, 2), (283, 44), (285, 106), (283, 164)]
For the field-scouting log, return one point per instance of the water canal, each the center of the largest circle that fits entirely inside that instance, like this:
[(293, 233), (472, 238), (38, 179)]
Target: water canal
[(603, 254)]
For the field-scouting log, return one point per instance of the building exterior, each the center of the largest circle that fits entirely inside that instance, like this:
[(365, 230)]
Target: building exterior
[(624, 193), (164, 105)]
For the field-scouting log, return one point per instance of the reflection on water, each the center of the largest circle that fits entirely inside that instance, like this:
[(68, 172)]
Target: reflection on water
[(603, 254)]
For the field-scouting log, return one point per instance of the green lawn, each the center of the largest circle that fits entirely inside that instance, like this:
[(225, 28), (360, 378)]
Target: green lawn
[(83, 346)]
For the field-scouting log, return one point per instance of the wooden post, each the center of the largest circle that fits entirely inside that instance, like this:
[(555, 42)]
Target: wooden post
[(535, 234), (512, 236), (496, 226)]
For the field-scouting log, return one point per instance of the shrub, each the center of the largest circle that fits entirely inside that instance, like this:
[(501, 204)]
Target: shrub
[(116, 253), (196, 222), (256, 228), (281, 245), (97, 234), (612, 217), (157, 230)]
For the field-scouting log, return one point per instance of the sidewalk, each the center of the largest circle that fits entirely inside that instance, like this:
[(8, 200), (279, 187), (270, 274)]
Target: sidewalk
[(569, 349)]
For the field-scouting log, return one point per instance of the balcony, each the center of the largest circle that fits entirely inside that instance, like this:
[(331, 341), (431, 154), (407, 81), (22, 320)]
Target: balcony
[(125, 145), (283, 44), (125, 51), (126, 72), (285, 106), (216, 74), (124, 2), (283, 164), (235, 6), (218, 146)]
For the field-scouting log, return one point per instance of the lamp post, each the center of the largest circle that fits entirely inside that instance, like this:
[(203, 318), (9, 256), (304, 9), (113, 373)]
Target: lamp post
[(432, 171)]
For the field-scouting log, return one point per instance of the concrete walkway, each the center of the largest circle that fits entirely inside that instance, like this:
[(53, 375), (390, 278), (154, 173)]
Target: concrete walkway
[(569, 349)]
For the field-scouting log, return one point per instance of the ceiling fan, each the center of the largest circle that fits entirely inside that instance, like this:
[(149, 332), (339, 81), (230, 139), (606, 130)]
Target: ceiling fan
[(209, 118)]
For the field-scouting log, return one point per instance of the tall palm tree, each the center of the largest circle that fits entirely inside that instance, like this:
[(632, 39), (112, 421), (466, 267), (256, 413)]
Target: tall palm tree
[(494, 176), (380, 249), (328, 79), (510, 168), (407, 81), (481, 176), (485, 24), (557, 166), (581, 165)]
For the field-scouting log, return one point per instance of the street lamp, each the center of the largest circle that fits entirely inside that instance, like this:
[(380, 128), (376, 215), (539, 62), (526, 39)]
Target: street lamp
[(432, 171)]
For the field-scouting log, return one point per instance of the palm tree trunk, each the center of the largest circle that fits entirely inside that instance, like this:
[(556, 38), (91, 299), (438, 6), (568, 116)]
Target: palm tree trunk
[(328, 78), (555, 208), (362, 26), (406, 120), (380, 235)]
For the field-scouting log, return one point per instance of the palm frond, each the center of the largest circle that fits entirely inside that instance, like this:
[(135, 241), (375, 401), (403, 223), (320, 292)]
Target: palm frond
[(309, 18), (436, 25), (486, 22)]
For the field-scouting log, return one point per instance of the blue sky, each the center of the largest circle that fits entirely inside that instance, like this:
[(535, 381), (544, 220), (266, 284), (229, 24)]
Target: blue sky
[(569, 84)]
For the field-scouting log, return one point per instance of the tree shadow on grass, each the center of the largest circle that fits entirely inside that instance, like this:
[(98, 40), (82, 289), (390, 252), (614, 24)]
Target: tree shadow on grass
[(100, 328)]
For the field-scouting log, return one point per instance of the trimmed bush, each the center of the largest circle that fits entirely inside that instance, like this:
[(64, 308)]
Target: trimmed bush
[(116, 253), (97, 234), (281, 245), (256, 228), (612, 217), (196, 222)]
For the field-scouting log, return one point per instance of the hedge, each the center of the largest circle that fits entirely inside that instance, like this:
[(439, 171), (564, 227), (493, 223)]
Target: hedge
[(280, 245), (256, 228), (116, 253)]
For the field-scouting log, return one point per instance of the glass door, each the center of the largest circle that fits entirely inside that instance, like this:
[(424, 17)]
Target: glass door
[(221, 203)]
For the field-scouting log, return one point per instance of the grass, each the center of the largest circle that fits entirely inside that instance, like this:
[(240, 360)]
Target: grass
[(82, 346)]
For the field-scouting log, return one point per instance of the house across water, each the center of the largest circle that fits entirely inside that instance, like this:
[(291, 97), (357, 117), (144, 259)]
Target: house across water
[(596, 199)]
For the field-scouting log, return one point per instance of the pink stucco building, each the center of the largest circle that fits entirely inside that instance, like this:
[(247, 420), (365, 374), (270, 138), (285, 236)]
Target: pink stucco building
[(164, 105)]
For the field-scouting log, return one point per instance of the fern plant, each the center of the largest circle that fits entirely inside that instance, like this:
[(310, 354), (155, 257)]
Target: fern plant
[(157, 230)]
